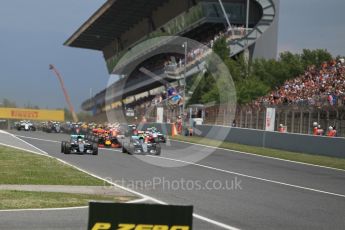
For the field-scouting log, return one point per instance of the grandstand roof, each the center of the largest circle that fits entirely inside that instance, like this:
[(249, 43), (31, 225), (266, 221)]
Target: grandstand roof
[(110, 21)]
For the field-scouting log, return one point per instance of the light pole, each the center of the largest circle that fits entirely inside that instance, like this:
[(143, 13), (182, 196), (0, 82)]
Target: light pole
[(246, 51), (247, 17), (90, 93), (185, 46)]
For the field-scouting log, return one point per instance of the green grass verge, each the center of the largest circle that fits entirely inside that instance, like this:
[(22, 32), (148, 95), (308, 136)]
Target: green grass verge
[(333, 162), (23, 199), (20, 167)]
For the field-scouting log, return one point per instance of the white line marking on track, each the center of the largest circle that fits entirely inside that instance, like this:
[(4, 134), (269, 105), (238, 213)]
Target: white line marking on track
[(65, 208), (137, 201), (195, 215), (213, 222), (43, 209), (228, 150), (244, 175), (14, 136), (52, 141), (257, 155), (113, 150), (15, 147), (251, 177), (39, 139)]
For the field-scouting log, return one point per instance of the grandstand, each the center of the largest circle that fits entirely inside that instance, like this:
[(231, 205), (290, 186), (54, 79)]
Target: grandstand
[(119, 25)]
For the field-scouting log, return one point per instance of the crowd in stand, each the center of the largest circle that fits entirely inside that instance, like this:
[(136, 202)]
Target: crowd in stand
[(141, 102), (207, 43), (318, 86), (172, 96)]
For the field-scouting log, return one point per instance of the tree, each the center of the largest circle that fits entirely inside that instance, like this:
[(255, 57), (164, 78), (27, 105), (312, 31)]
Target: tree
[(254, 79), (221, 49), (315, 57), (82, 116), (292, 62), (250, 89), (6, 103)]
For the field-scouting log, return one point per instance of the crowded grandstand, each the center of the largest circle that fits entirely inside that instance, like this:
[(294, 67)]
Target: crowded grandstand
[(208, 24), (317, 86)]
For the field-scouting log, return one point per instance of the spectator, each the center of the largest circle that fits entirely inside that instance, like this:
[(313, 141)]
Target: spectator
[(282, 128), (323, 86), (319, 131), (331, 132), (179, 124), (315, 128)]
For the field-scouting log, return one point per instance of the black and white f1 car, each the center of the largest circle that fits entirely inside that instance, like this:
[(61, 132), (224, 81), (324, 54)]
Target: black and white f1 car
[(138, 145), (79, 145), (52, 127), (26, 126)]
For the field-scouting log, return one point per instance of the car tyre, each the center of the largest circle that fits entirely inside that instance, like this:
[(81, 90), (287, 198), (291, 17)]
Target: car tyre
[(63, 144), (95, 150), (67, 148)]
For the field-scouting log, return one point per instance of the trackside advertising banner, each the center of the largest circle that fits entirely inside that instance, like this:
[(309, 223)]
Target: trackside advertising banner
[(32, 114), (118, 216), (270, 119)]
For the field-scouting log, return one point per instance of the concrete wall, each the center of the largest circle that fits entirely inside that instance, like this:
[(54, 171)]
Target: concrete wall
[(334, 147), (285, 141)]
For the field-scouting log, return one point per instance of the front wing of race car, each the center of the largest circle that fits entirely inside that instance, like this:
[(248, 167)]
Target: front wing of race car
[(144, 148), (109, 143)]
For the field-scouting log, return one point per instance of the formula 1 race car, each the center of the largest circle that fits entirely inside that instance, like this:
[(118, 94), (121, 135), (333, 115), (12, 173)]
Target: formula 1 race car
[(79, 145), (138, 145), (131, 130), (108, 142), (158, 136), (52, 127), (26, 126)]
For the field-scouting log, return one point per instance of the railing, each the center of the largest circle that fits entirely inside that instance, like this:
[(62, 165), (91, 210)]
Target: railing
[(297, 118), (269, 13), (203, 51)]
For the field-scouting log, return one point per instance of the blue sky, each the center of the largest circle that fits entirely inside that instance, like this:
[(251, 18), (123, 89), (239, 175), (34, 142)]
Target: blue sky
[(32, 34)]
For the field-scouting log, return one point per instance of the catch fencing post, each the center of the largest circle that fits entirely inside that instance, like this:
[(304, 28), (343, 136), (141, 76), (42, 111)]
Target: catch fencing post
[(309, 123), (301, 122), (241, 118), (251, 119), (293, 122), (257, 118)]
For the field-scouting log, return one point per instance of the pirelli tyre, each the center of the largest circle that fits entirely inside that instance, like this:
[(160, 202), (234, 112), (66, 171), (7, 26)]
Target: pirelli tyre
[(67, 148), (95, 149), (63, 146), (158, 150), (124, 150)]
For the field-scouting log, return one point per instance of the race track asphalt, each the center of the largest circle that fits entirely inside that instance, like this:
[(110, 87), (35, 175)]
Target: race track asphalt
[(270, 193)]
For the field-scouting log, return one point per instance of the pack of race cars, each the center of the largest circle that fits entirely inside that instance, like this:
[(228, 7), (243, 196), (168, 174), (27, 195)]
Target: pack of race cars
[(25, 126), (88, 138)]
